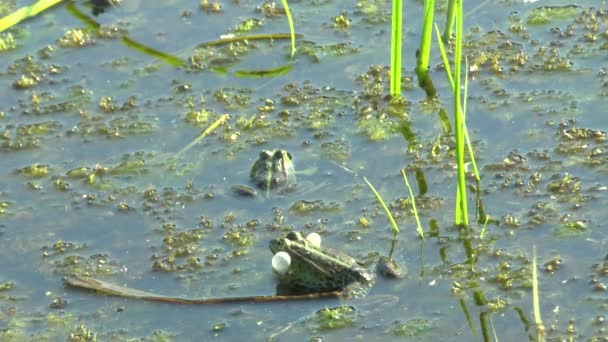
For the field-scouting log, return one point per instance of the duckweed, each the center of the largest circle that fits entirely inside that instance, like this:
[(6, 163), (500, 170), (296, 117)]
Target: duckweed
[(410, 328), (34, 171), (75, 39), (336, 318), (548, 14), (7, 42), (307, 207)]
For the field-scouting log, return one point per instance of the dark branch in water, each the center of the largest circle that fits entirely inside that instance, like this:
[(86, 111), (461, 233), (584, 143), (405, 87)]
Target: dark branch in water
[(121, 291)]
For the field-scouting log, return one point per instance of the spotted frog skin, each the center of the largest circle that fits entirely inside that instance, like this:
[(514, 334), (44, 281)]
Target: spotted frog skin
[(273, 169), (320, 269)]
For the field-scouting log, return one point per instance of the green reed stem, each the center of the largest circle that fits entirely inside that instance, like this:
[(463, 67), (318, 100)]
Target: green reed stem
[(388, 212), (292, 30), (459, 121), (448, 73), (409, 188), (426, 37), (25, 12), (449, 21), (396, 29), (461, 213)]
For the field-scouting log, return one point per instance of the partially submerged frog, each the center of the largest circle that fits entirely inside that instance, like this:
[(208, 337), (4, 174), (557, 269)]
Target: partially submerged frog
[(274, 170), (304, 266), (306, 271)]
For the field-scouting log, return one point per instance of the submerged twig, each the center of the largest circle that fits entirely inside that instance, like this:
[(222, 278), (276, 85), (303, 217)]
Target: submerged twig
[(228, 40), (121, 291)]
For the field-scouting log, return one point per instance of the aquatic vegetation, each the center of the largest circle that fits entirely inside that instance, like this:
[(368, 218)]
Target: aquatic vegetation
[(75, 39), (240, 236), (34, 171), (549, 14), (182, 251), (410, 328), (6, 286), (66, 259), (211, 7), (341, 22), (248, 25), (373, 12), (336, 318), (5, 208), (25, 82), (7, 42), (308, 207)]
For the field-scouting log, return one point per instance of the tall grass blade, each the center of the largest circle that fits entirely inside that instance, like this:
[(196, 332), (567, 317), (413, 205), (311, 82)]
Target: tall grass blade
[(264, 36), (462, 191), (464, 111), (206, 132), (467, 315), (25, 12), (292, 30), (426, 37), (540, 328), (423, 186), (396, 29), (146, 50), (388, 212), (265, 73), (409, 188), (128, 42), (461, 212), (464, 121), (444, 58)]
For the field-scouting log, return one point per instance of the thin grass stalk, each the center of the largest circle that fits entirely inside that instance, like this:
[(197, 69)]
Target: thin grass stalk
[(449, 21), (409, 188), (292, 30), (426, 37), (25, 12), (388, 212), (464, 121), (396, 29), (444, 58), (206, 132), (493, 328), (540, 328), (461, 204), (448, 72)]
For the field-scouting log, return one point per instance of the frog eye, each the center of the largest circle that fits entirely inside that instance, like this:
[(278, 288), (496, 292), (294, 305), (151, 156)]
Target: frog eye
[(293, 236), (281, 262), (265, 155), (289, 156)]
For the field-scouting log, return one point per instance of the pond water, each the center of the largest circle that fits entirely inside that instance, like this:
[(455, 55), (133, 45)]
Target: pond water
[(96, 179)]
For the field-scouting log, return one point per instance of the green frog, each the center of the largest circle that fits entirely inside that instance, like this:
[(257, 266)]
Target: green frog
[(306, 271), (273, 170), (304, 266)]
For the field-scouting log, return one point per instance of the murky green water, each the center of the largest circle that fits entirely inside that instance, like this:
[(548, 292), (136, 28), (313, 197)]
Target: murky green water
[(137, 212)]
